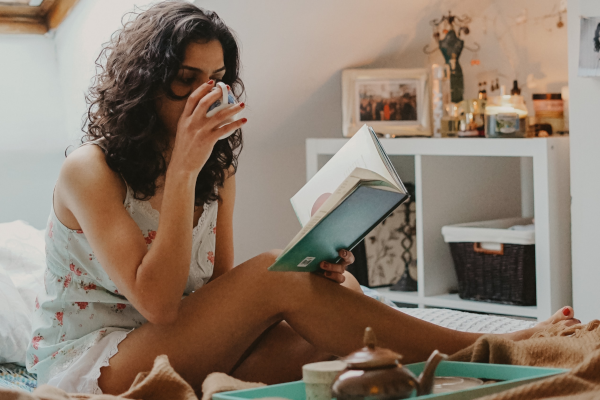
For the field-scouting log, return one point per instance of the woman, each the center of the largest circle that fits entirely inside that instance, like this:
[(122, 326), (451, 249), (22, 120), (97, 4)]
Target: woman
[(116, 273)]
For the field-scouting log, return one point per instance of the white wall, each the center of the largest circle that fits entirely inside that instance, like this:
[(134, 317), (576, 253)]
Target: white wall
[(293, 53), (31, 113), (32, 134), (585, 168), (79, 40)]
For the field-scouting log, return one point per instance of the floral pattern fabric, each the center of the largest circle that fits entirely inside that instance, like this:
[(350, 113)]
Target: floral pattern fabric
[(81, 304)]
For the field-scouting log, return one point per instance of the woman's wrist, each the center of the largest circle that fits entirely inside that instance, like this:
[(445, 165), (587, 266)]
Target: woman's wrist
[(181, 175)]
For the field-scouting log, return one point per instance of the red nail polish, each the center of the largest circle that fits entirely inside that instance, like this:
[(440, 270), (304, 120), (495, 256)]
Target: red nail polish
[(242, 105), (244, 120), (566, 311), (228, 88), (210, 82)]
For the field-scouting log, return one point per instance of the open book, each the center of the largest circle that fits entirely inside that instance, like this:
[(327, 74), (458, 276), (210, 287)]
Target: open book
[(356, 190)]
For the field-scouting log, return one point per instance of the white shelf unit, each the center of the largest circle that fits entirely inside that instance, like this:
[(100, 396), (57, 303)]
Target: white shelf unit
[(465, 180)]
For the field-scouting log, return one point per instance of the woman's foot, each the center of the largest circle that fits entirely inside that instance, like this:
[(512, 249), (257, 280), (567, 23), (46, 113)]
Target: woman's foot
[(565, 316)]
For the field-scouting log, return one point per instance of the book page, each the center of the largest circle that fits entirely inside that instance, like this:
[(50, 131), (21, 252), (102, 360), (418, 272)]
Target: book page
[(387, 161), (360, 151), (356, 177), (347, 186)]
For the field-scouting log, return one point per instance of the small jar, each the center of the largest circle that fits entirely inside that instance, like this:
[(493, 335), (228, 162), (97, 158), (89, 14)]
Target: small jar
[(549, 109), (506, 117)]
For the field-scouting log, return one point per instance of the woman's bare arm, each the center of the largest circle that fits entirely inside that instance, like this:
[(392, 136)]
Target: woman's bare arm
[(224, 254)]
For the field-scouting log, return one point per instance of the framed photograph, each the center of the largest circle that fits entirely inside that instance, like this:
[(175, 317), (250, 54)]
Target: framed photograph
[(589, 47), (395, 102)]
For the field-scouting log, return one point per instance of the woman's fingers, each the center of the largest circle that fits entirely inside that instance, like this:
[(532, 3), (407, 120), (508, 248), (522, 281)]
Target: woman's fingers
[(334, 276), (335, 272), (205, 102), (193, 100), (230, 127), (347, 257), (217, 119), (329, 267)]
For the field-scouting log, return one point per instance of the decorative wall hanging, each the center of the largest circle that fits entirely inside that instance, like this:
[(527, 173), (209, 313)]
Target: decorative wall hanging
[(395, 102), (447, 32)]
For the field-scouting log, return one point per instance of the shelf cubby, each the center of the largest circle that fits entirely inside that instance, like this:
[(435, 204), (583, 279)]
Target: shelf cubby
[(466, 180)]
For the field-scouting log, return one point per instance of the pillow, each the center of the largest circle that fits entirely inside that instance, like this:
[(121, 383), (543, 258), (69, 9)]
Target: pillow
[(23, 258), (22, 265), (15, 323)]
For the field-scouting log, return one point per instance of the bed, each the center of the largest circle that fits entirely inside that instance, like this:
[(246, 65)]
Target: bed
[(22, 262)]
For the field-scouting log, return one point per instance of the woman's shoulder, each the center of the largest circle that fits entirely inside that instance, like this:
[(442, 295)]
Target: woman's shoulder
[(86, 169)]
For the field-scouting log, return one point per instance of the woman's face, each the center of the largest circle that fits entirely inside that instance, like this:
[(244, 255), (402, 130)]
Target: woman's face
[(202, 61)]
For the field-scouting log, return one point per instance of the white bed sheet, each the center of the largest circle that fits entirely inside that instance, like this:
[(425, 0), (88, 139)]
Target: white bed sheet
[(459, 320)]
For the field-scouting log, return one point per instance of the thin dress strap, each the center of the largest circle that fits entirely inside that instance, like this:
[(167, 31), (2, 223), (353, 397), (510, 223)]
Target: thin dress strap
[(98, 142)]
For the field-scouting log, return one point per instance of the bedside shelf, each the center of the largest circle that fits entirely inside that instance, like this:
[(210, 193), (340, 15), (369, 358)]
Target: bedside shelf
[(455, 302), (466, 180), (400, 297)]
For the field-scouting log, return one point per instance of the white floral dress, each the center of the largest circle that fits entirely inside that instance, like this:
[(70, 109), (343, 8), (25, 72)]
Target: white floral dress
[(81, 306)]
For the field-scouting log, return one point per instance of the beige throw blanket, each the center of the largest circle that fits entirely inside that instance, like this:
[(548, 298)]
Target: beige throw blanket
[(576, 347), (162, 383)]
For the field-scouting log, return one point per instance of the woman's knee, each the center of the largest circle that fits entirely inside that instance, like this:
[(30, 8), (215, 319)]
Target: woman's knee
[(351, 282), (274, 254), (263, 261), (268, 258)]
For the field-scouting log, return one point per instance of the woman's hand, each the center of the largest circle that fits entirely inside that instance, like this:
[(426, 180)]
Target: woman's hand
[(335, 272), (196, 133)]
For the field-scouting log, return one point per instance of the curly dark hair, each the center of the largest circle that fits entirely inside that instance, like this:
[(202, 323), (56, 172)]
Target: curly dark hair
[(138, 64)]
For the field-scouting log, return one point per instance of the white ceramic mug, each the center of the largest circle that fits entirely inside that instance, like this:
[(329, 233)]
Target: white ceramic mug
[(227, 101)]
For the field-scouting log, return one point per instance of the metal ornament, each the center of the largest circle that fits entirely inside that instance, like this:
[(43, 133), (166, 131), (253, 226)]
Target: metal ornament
[(451, 46), (409, 231)]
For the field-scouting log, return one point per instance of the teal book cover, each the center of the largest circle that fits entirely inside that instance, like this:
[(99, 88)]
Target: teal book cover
[(343, 228)]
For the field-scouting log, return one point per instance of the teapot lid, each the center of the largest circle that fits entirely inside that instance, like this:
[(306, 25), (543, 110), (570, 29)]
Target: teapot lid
[(371, 356)]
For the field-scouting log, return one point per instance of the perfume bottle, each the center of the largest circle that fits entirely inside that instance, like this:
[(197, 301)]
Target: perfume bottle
[(440, 96)]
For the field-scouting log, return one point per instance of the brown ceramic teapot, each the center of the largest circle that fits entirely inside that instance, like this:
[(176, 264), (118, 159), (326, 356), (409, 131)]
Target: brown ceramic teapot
[(376, 373)]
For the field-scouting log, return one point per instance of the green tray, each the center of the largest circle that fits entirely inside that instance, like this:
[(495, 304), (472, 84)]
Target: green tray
[(511, 375)]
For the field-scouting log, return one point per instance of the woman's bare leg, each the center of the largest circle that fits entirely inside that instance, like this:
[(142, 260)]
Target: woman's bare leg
[(218, 323), (279, 353)]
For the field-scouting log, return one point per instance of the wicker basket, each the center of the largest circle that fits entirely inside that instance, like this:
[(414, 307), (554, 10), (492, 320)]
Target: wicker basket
[(505, 274)]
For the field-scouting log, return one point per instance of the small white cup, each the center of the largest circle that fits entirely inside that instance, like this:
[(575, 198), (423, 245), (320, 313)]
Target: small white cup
[(319, 377), (227, 101)]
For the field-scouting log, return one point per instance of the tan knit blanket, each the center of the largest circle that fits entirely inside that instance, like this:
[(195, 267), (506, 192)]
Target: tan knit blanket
[(162, 383), (576, 347)]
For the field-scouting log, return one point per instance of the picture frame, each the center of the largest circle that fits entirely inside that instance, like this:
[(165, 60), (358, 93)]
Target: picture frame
[(589, 47), (395, 102)]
